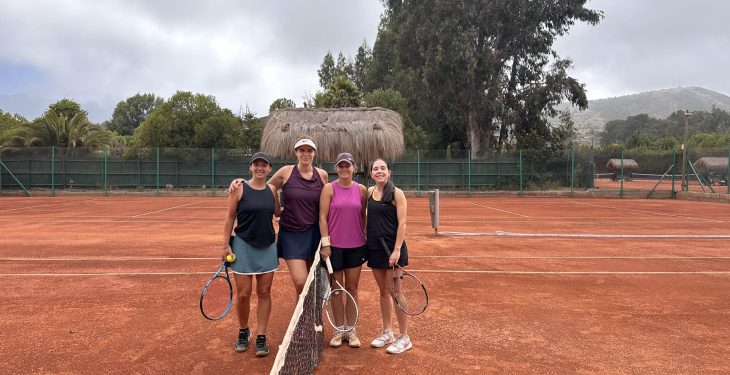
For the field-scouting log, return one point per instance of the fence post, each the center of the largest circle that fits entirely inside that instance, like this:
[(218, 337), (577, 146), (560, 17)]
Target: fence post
[(727, 176), (572, 171), (418, 172), (53, 171), (157, 171), (674, 172), (106, 189), (212, 171), (499, 172), (1, 173), (468, 168), (520, 173), (686, 174), (621, 191)]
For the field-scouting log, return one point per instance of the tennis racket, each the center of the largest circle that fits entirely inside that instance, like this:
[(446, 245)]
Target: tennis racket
[(217, 296), (409, 292), (339, 305)]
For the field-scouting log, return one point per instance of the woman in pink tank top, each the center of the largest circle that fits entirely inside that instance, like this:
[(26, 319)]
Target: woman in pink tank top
[(342, 207)]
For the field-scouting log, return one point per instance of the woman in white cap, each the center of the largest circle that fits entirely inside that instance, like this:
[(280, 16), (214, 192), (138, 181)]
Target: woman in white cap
[(300, 186), (342, 226), (251, 209)]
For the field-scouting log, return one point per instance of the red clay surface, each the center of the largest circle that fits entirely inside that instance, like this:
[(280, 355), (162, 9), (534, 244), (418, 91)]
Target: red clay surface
[(111, 285)]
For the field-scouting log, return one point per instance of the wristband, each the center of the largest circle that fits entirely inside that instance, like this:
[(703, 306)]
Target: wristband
[(326, 241)]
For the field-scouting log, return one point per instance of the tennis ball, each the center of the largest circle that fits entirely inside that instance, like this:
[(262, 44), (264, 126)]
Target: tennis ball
[(230, 258)]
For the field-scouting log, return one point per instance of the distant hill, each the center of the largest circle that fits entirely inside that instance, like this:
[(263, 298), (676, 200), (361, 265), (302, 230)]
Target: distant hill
[(658, 104)]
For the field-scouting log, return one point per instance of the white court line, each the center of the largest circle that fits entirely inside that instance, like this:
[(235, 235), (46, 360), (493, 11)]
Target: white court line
[(581, 235), (648, 212), (564, 257), (105, 259), (167, 209), (489, 272), (496, 209), (122, 259), (45, 205)]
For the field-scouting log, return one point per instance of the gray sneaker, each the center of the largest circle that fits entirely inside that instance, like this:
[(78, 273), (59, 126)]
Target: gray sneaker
[(242, 343), (262, 350)]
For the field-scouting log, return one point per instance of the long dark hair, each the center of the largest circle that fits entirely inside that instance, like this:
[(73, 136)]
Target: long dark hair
[(389, 189)]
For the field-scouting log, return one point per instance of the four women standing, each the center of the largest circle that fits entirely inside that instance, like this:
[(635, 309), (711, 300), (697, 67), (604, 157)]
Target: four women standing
[(313, 210)]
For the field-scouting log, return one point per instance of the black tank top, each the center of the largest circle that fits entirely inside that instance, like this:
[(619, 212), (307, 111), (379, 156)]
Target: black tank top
[(382, 223), (254, 213)]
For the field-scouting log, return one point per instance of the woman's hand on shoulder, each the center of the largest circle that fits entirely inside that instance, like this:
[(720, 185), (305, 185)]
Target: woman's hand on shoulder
[(323, 174), (235, 184), (281, 176)]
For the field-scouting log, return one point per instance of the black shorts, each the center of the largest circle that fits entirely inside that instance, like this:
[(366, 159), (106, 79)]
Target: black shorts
[(343, 258), (378, 258)]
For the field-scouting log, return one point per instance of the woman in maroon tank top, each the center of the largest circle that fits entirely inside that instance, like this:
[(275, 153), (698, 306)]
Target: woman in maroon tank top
[(300, 186)]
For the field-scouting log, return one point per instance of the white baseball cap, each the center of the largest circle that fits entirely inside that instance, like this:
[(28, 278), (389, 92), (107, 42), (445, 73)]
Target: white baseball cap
[(305, 141)]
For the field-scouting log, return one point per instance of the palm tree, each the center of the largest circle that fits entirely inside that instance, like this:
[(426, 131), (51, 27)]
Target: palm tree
[(54, 129)]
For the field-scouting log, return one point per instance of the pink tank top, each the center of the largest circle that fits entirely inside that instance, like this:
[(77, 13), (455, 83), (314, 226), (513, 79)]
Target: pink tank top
[(345, 220)]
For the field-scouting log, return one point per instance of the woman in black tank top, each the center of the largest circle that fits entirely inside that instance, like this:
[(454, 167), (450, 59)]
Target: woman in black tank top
[(253, 242), (386, 219)]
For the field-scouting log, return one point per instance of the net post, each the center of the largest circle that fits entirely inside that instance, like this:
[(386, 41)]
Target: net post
[(433, 208), (520, 172), (157, 171)]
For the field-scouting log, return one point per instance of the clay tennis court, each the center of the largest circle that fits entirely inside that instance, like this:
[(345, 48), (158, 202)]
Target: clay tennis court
[(550, 285)]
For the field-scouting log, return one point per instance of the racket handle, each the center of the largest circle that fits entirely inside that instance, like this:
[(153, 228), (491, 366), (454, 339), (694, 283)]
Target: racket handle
[(329, 265)]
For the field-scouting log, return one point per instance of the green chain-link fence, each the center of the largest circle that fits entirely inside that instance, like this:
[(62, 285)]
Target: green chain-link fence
[(614, 171)]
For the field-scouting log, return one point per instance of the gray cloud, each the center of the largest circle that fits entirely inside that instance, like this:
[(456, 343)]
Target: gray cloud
[(253, 52), (245, 53), (649, 45)]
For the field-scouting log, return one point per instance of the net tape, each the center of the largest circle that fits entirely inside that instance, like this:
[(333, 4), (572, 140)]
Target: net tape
[(300, 350)]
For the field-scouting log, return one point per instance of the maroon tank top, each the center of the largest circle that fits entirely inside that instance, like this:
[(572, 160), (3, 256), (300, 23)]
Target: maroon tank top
[(300, 201)]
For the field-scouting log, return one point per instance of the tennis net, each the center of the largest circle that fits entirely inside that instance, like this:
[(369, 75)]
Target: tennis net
[(302, 345)]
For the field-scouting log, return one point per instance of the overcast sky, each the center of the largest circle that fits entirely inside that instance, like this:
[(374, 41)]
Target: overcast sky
[(249, 53)]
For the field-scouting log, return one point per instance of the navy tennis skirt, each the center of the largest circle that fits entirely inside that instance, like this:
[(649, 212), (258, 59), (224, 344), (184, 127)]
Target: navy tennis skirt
[(298, 245)]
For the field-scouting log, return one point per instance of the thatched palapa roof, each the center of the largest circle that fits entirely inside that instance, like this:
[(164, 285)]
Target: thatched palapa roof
[(615, 164), (366, 133), (711, 164)]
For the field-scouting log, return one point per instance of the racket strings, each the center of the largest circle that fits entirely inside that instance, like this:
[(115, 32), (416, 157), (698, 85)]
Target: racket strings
[(410, 294), (341, 309), (216, 299)]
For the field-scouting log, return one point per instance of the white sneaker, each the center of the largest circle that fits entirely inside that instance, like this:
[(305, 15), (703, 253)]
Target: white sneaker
[(386, 337), (337, 339), (352, 340), (401, 345)]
